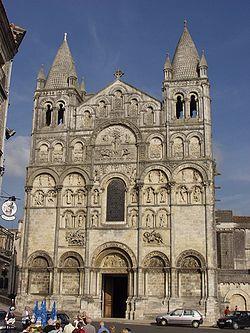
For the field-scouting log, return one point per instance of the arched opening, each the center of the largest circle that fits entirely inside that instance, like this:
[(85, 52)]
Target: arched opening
[(115, 200), (239, 301), (179, 107), (39, 276), (70, 276), (60, 118), (48, 117), (193, 106)]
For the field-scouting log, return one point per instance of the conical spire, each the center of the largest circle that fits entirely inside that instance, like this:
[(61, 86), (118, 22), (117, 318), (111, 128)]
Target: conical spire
[(62, 68), (41, 74), (82, 86), (186, 58), (203, 61), (167, 64)]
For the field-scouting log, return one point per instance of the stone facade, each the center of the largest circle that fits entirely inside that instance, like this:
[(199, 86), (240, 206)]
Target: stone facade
[(233, 239), (120, 187)]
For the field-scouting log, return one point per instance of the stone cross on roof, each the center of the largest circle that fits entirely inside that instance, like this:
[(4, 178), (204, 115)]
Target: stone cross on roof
[(118, 73)]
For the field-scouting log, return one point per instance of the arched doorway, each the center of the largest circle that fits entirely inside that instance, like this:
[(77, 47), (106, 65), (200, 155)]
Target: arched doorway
[(239, 301), (115, 275)]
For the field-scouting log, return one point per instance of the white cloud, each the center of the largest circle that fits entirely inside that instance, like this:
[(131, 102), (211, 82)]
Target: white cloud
[(17, 156)]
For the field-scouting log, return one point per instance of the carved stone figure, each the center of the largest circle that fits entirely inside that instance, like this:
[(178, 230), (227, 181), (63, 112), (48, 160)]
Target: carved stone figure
[(39, 198), (51, 197), (155, 149), (96, 197), (134, 196), (80, 197), (118, 101), (194, 147), (152, 237), (58, 153), (113, 260), (69, 197), (69, 220), (78, 152), (81, 220), (162, 196), (87, 119), (183, 194), (94, 219), (43, 154), (178, 148), (149, 220), (76, 238), (133, 108), (149, 195), (196, 195), (102, 109), (133, 219), (162, 219)]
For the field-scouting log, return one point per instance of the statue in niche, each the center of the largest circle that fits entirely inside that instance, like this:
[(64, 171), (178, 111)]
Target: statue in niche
[(80, 197), (69, 221), (96, 177), (149, 220), (118, 102), (149, 116), (94, 219), (196, 195), (78, 152), (133, 219), (113, 261), (51, 197), (162, 195), (43, 154), (102, 109), (149, 195), (162, 220), (81, 219), (183, 194), (178, 148), (96, 196), (150, 177), (116, 142), (194, 147), (133, 108), (78, 180), (69, 197), (161, 176), (196, 176), (87, 119), (39, 198), (134, 196), (58, 153), (155, 149)]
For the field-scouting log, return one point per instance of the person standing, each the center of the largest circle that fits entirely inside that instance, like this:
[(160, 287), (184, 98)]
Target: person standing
[(227, 311), (236, 308), (102, 328), (89, 328), (25, 316), (69, 328)]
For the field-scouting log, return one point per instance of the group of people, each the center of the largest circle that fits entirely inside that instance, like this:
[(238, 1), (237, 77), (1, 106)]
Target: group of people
[(227, 311), (81, 324)]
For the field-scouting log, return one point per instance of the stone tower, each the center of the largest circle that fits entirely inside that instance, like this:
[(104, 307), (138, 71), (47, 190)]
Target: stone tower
[(120, 193)]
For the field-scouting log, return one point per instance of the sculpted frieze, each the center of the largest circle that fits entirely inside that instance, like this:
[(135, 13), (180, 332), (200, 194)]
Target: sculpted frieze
[(102, 170), (75, 238), (152, 237)]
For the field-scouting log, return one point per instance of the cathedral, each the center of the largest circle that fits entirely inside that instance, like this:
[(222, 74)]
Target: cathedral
[(119, 215)]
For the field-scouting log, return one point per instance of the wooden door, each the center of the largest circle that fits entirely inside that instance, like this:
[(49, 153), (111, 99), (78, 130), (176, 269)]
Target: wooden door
[(108, 295)]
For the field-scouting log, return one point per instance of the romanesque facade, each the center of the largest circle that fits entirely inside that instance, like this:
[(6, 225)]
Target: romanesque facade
[(119, 215)]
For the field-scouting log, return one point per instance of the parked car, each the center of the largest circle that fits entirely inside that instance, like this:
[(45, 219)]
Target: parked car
[(61, 316), (2, 319), (181, 317), (235, 320)]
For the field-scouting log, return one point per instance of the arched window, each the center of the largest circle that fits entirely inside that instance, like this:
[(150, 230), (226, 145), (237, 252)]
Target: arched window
[(115, 200), (60, 119), (193, 107), (48, 115), (179, 107)]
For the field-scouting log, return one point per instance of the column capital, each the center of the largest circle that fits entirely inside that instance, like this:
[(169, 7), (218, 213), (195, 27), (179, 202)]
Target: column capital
[(28, 189)]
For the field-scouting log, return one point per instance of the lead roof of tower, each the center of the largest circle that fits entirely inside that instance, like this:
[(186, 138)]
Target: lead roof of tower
[(62, 68), (186, 57)]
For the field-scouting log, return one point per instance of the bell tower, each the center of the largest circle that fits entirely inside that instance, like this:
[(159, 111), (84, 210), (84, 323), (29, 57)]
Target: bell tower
[(186, 103)]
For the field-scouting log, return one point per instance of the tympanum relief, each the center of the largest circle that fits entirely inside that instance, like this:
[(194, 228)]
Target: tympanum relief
[(43, 192)]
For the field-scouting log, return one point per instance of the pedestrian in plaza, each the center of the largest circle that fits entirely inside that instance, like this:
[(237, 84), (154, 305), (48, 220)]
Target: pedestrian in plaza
[(84, 318), (112, 329), (102, 328), (78, 319), (227, 311), (10, 318), (89, 328), (49, 327), (25, 316), (26, 327), (57, 329), (236, 308), (79, 328), (69, 328)]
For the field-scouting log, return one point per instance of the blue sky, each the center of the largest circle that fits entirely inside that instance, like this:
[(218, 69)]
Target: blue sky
[(135, 35)]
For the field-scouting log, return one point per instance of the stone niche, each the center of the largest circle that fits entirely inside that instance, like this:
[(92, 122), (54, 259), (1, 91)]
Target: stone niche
[(39, 282)]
